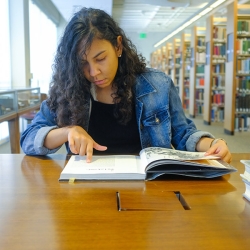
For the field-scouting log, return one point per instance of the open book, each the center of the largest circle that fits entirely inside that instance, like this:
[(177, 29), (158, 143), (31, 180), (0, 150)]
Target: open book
[(152, 162)]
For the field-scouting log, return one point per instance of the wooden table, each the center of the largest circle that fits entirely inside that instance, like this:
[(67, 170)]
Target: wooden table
[(14, 129), (38, 212)]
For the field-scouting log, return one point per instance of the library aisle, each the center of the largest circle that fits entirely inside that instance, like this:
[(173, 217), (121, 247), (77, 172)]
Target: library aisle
[(238, 143)]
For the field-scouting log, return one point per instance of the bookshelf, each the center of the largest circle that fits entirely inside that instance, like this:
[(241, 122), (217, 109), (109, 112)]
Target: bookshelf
[(153, 59), (163, 59), (159, 59), (185, 63), (169, 56), (176, 55), (237, 79), (214, 89), (197, 71)]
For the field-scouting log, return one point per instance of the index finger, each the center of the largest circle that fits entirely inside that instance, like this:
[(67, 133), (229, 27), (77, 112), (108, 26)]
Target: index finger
[(89, 153)]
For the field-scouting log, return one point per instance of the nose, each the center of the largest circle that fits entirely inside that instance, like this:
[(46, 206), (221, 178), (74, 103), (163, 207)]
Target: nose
[(94, 70)]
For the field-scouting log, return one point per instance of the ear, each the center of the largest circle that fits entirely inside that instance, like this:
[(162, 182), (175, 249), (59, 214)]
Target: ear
[(119, 46)]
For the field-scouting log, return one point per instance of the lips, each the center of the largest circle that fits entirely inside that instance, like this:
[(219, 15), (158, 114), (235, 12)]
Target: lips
[(99, 82)]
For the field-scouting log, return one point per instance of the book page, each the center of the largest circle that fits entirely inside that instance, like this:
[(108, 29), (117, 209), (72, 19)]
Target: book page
[(103, 165), (213, 163), (157, 153)]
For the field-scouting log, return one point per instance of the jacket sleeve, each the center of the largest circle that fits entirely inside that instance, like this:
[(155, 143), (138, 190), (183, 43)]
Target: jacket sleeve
[(32, 139), (185, 135)]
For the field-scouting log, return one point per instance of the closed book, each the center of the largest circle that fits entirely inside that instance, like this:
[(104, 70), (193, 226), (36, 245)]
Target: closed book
[(246, 178), (247, 168), (247, 192)]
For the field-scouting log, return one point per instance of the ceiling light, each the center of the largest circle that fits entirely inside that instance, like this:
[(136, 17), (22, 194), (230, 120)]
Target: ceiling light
[(202, 13), (202, 5), (217, 3)]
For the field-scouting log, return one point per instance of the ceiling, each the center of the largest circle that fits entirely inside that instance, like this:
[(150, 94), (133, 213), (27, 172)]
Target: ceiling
[(143, 15), (155, 18)]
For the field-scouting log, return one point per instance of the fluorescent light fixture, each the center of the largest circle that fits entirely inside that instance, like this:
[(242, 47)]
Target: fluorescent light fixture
[(203, 5), (214, 5), (202, 13), (194, 18)]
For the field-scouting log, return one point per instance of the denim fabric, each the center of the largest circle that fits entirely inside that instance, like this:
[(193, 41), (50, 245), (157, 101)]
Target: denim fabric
[(159, 113)]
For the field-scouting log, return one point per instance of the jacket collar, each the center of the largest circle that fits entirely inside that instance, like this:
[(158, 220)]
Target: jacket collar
[(143, 86)]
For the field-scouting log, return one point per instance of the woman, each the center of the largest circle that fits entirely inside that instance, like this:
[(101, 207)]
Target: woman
[(103, 98)]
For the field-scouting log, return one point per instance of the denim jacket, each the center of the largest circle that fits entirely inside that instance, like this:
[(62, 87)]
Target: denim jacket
[(159, 113)]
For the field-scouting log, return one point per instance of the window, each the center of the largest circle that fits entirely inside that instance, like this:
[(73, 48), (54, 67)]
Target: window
[(5, 73), (43, 42)]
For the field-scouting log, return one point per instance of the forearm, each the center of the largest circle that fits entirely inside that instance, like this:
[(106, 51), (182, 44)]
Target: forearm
[(56, 137)]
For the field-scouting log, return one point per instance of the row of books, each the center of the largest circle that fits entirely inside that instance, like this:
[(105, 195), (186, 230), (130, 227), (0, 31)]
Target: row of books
[(201, 41), (246, 178), (186, 92), (217, 114), (200, 69), (218, 68), (178, 60), (242, 103), (200, 57), (178, 50), (219, 32), (242, 123), (243, 27), (218, 82), (219, 50), (187, 71), (200, 82), (243, 84), (187, 61), (218, 99), (177, 81), (186, 104), (243, 46), (199, 108), (199, 94), (188, 50), (243, 66)]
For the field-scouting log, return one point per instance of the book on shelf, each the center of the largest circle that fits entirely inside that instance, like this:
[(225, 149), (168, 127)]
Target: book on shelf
[(243, 27), (242, 123), (219, 50), (151, 163), (219, 33), (246, 178), (200, 57), (243, 46), (217, 114)]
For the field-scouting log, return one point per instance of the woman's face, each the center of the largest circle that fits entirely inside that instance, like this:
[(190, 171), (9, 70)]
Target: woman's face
[(101, 62)]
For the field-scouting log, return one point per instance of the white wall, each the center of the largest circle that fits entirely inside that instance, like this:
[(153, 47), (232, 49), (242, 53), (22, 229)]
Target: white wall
[(146, 45)]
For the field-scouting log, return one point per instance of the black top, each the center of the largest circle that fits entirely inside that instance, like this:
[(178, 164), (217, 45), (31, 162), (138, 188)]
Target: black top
[(106, 131)]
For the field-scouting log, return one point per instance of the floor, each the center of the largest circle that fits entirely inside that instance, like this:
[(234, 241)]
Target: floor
[(238, 143)]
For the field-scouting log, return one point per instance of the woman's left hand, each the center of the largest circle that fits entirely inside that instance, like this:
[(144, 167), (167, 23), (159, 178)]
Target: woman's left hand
[(220, 149)]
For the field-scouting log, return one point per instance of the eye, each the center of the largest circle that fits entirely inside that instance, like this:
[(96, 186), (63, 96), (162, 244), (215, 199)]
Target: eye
[(100, 59)]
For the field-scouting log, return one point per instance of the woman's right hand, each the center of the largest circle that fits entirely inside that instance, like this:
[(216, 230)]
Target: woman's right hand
[(80, 142)]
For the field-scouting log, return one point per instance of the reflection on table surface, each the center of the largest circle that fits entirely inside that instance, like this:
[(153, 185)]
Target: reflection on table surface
[(39, 212)]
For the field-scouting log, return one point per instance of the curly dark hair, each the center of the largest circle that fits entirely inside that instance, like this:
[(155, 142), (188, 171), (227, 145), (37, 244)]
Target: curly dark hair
[(70, 90)]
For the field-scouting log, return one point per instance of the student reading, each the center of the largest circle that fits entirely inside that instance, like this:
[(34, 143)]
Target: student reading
[(103, 98)]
